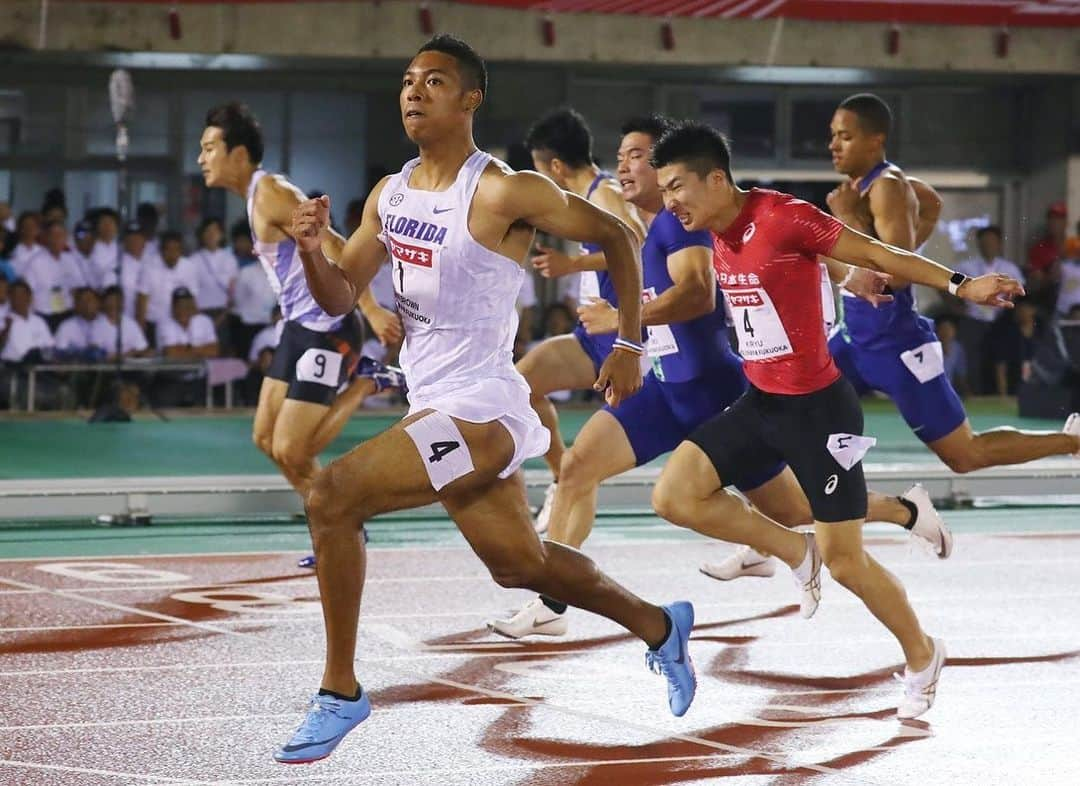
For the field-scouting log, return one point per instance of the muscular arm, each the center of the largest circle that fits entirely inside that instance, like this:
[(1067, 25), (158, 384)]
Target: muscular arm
[(526, 196), (693, 290), (336, 288), (893, 221)]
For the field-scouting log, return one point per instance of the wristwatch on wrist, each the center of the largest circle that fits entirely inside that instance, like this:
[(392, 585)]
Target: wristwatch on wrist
[(956, 281)]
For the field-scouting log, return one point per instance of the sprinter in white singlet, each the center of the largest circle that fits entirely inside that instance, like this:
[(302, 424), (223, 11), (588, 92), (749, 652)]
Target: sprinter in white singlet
[(457, 226)]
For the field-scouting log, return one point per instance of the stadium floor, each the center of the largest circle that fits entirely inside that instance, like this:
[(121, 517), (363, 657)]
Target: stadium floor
[(183, 652)]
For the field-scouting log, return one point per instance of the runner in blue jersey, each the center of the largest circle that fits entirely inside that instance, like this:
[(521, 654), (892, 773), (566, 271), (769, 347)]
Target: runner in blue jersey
[(694, 376), (892, 348), (561, 147)]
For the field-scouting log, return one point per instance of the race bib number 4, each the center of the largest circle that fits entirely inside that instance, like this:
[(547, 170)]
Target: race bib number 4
[(416, 280), (320, 366), (757, 324)]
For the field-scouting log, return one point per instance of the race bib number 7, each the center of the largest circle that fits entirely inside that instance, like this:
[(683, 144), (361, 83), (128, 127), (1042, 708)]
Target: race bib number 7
[(757, 324)]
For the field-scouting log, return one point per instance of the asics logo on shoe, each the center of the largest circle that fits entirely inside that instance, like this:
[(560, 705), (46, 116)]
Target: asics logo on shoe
[(830, 485)]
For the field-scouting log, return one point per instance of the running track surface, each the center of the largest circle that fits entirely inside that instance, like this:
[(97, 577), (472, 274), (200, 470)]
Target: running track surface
[(174, 669)]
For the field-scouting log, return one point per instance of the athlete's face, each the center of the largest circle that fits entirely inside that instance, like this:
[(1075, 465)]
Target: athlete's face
[(693, 199), (636, 175), (854, 151), (433, 97), (215, 161)]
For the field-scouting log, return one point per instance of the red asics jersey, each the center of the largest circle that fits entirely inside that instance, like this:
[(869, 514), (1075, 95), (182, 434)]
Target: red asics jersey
[(767, 266)]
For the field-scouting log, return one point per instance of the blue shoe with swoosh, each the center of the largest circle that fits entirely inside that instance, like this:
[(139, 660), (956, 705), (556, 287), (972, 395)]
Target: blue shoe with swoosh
[(672, 659), (328, 720)]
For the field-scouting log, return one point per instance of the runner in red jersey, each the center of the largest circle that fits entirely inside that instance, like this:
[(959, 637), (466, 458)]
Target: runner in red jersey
[(799, 408)]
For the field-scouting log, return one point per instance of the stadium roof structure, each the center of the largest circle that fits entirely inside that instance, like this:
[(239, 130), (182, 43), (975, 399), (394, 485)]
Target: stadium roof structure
[(996, 13)]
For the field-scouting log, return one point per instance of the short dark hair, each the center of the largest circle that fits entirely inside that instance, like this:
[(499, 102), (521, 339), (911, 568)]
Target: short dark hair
[(111, 290), (473, 68), (27, 215), (564, 133), (239, 128), (698, 146), (873, 113), (654, 125), (56, 222), (240, 227), (989, 229), (171, 236), (206, 223), (95, 214), (21, 283)]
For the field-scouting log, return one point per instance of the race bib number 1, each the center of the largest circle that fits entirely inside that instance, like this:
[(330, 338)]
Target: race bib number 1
[(416, 280), (757, 324)]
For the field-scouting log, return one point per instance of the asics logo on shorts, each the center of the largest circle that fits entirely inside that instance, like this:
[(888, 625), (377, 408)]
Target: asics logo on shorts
[(830, 485)]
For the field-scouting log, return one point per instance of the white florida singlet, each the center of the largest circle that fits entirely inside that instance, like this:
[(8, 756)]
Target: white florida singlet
[(283, 267), (456, 299)]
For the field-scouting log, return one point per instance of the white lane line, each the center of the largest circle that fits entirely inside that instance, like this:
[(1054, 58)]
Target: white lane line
[(72, 595), (87, 771)]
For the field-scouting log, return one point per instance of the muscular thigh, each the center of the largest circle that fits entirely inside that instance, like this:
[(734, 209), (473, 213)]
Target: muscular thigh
[(296, 423), (558, 363), (394, 470), (495, 520)]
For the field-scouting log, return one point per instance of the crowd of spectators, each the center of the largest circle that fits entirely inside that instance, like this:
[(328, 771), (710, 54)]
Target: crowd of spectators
[(1029, 350), (67, 290)]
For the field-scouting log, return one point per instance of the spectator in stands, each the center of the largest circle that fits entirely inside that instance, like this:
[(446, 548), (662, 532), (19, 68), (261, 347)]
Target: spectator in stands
[(1069, 291), (5, 305), (1011, 344), (133, 341), (255, 298), (558, 320), (7, 271), (148, 217), (82, 256), (160, 279), (988, 260), (52, 273), (24, 336), (27, 231), (1044, 258), (186, 334), (54, 207), (954, 355), (106, 240), (136, 261), (75, 336), (7, 217), (217, 270)]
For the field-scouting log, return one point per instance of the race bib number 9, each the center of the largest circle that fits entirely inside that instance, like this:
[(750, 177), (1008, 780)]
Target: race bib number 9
[(320, 366), (757, 324), (416, 280), (926, 362)]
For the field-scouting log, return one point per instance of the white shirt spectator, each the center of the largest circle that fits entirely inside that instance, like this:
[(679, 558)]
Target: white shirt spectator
[(255, 298), (26, 334), (84, 271), (1069, 294), (267, 338), (217, 271), (159, 281), (104, 256), (199, 332), (20, 257), (51, 280), (977, 266), (75, 333), (133, 271), (5, 309), (132, 338)]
